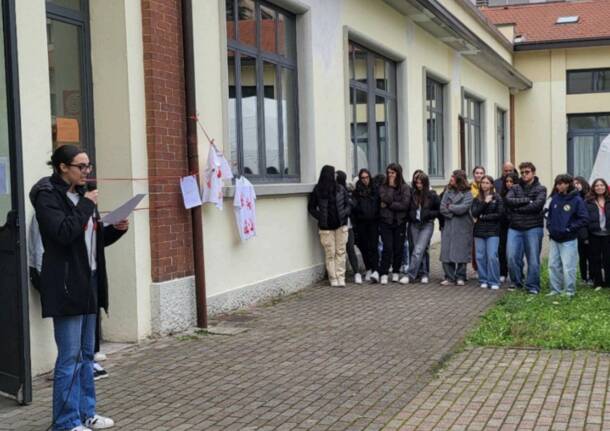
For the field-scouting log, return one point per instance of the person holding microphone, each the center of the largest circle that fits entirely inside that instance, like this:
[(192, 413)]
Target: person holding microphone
[(73, 282)]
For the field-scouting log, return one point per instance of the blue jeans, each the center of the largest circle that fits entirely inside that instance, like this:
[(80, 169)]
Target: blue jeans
[(420, 236), (487, 260), (529, 243), (563, 259), (73, 386)]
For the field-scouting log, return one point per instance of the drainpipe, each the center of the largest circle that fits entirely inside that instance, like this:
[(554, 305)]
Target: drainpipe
[(193, 159)]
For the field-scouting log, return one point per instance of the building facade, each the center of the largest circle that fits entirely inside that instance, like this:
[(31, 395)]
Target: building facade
[(284, 87)]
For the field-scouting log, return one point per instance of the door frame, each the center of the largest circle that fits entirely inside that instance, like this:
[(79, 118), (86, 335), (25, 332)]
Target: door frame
[(24, 395)]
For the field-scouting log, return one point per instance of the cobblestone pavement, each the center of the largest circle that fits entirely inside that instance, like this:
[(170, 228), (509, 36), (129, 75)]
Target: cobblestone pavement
[(510, 389), (322, 359)]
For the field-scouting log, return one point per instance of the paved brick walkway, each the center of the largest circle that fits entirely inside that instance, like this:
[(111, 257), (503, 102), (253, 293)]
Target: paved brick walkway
[(323, 359), (509, 389)]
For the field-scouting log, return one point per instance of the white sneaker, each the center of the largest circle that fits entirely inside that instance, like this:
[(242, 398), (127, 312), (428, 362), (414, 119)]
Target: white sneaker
[(494, 287), (460, 283), (446, 282), (99, 357), (395, 277), (404, 280), (375, 277), (98, 422), (341, 282), (80, 428), (484, 286), (334, 283), (425, 280), (358, 278), (367, 275), (502, 279), (384, 279)]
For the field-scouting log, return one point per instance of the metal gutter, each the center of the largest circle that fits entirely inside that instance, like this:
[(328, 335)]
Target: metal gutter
[(559, 44)]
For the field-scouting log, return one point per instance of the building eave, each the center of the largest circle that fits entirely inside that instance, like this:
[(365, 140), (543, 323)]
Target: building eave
[(559, 44)]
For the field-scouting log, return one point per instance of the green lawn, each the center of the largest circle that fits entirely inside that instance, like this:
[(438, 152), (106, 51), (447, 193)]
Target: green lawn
[(522, 320)]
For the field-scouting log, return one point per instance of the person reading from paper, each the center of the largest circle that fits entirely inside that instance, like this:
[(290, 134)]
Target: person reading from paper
[(73, 282)]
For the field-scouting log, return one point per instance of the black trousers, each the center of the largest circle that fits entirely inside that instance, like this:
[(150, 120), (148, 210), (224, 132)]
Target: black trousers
[(367, 236), (599, 259), (393, 237), (502, 251), (583, 259), (351, 251)]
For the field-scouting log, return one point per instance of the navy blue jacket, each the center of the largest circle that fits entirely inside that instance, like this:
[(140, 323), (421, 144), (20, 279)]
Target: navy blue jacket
[(567, 215)]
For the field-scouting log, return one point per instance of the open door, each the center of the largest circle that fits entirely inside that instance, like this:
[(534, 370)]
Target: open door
[(15, 373)]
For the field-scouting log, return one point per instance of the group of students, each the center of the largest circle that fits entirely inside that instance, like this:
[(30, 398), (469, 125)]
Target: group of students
[(496, 225)]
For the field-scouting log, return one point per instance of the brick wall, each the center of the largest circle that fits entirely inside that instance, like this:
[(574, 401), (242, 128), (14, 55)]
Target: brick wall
[(170, 223)]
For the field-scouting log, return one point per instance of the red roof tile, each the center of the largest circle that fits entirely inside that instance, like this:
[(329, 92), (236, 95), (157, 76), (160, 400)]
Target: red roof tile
[(537, 22)]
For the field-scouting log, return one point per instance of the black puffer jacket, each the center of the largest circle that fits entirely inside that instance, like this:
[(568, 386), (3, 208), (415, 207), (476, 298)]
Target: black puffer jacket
[(488, 216), (526, 204), (65, 288), (593, 211), (366, 203), (430, 210), (395, 203), (318, 206)]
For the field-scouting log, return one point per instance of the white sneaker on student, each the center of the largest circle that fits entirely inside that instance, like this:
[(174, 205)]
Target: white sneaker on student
[(80, 428), (446, 282), (367, 275), (341, 282), (395, 277), (460, 283), (358, 278), (484, 286), (98, 422), (334, 283), (99, 357), (425, 280), (502, 279), (375, 277), (384, 279), (404, 280), (495, 287)]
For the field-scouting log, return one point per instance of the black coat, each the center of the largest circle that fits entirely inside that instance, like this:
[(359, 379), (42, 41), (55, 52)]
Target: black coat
[(526, 205), (366, 204), (430, 210), (318, 206), (488, 217), (395, 203), (593, 211), (65, 279)]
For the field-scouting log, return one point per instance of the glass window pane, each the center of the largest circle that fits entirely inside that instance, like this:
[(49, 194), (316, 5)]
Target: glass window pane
[(361, 130), (603, 121), (70, 4), (582, 122), (230, 19), (380, 75), (232, 117), (583, 155), (580, 82), (268, 29), (290, 126), (391, 151), (65, 53), (603, 80), (271, 109), (249, 114), (247, 22), (360, 66), (287, 44), (381, 129), (5, 166)]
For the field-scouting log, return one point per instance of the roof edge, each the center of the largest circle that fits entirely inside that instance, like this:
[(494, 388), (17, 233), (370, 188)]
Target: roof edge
[(558, 44), (480, 17)]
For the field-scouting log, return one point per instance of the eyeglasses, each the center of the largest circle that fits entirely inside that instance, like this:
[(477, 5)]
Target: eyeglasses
[(365, 177), (527, 172), (83, 167)]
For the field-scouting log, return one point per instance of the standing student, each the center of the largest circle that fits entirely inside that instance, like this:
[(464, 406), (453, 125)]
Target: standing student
[(507, 169), (525, 201), (456, 236), (351, 242), (424, 209), (598, 206), (73, 282), (395, 197), (567, 214), (477, 174), (366, 221), (582, 187), (487, 210), (329, 205), (508, 181)]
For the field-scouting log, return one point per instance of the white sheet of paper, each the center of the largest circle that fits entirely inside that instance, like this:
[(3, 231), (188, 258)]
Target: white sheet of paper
[(190, 192), (122, 212)]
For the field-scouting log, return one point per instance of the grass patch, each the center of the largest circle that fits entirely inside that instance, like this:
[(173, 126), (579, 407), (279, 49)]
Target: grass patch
[(522, 320)]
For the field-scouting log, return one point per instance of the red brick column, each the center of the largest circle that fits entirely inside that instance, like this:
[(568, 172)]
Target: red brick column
[(170, 224)]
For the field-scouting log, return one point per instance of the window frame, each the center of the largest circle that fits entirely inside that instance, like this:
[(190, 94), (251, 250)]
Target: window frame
[(80, 19), (440, 86), (471, 147), (501, 141), (597, 133), (280, 62), (594, 78), (372, 92)]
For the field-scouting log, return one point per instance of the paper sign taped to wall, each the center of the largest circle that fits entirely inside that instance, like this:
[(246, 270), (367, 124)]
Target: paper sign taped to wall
[(190, 192), (601, 167), (67, 130)]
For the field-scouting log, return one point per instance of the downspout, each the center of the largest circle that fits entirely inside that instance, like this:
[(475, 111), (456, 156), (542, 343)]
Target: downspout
[(193, 159), (512, 129)]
